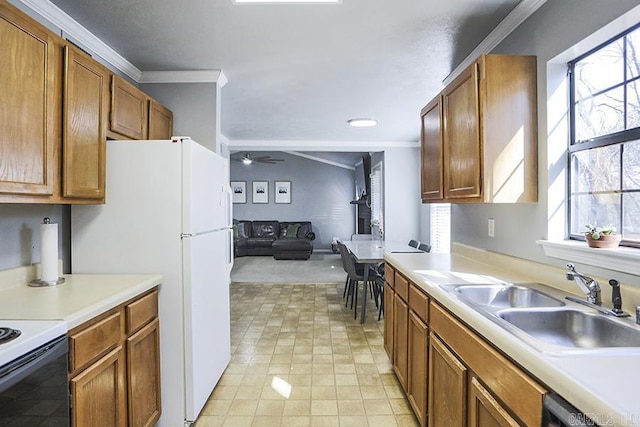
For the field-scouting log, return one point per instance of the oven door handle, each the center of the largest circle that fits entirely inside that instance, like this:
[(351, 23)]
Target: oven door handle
[(20, 368)]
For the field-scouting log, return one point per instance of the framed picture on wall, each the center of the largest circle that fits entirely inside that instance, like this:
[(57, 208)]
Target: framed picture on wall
[(260, 191), (239, 191), (283, 191)]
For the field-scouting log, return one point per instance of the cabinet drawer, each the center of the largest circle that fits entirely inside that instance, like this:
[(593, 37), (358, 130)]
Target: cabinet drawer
[(418, 302), (141, 311), (389, 273), (506, 381), (94, 340), (401, 287)]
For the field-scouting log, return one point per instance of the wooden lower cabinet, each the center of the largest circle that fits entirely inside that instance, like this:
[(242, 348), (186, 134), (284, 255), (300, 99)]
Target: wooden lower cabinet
[(447, 386), (400, 340), (114, 369), (143, 373), (98, 394), (485, 410), (418, 363)]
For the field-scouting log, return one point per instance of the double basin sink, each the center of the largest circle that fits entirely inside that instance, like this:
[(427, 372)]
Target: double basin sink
[(546, 322)]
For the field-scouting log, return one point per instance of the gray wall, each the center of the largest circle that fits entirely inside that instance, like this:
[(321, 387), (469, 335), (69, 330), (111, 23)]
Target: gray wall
[(20, 233), (401, 194), (194, 107), (320, 193), (555, 27)]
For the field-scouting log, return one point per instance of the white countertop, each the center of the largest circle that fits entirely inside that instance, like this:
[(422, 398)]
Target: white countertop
[(603, 386), (80, 298)]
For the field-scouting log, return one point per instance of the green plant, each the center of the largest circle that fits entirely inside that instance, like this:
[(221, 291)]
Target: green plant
[(596, 232)]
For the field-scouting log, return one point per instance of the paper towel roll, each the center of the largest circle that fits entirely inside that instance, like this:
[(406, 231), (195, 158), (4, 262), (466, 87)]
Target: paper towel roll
[(48, 252)]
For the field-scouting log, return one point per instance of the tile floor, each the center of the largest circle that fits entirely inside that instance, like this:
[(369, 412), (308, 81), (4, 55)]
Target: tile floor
[(301, 340)]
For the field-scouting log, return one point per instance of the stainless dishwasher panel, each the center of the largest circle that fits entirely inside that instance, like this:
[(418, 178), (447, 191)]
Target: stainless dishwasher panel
[(557, 412)]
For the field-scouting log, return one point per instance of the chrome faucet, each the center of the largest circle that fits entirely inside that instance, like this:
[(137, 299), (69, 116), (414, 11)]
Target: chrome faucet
[(589, 285)]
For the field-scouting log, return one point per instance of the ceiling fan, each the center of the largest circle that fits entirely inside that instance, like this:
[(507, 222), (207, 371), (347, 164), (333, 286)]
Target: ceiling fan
[(248, 159)]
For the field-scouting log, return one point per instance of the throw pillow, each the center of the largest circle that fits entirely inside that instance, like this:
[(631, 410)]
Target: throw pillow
[(292, 230), (235, 231)]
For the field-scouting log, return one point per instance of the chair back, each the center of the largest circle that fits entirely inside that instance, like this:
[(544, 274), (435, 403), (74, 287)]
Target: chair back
[(342, 255), (424, 247), (414, 243), (347, 260), (361, 237)]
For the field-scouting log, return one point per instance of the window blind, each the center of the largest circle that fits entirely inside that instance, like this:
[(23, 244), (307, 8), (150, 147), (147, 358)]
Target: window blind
[(440, 227)]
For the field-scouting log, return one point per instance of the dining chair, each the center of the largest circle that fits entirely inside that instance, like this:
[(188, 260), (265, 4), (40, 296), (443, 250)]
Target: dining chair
[(354, 277), (414, 243), (424, 247)]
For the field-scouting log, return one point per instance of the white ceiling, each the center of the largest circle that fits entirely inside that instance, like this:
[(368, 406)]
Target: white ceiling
[(299, 72)]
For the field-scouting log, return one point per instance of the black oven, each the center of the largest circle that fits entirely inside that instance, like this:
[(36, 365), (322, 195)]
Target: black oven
[(34, 388)]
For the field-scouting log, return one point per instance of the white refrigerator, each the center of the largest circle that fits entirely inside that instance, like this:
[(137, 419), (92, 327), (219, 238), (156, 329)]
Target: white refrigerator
[(168, 211)]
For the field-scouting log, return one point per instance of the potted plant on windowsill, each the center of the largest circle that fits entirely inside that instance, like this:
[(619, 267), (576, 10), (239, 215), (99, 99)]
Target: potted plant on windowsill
[(602, 237)]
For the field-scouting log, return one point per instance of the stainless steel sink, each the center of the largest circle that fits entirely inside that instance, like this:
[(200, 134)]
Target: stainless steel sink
[(573, 328), (504, 296)]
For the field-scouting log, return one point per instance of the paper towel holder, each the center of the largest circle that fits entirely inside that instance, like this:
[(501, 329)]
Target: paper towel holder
[(38, 283)]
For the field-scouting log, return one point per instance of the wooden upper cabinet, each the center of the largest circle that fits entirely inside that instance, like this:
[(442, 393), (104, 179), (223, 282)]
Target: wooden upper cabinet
[(489, 134), (461, 134), (128, 110), (160, 121), (30, 112), (86, 102), (431, 151)]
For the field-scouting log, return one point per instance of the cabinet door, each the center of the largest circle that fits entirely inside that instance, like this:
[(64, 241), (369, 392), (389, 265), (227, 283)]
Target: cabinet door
[(86, 95), (400, 339), (160, 121), (128, 110), (98, 394), (462, 152), (485, 411), (431, 151), (143, 373), (418, 367), (30, 107), (388, 320), (447, 386)]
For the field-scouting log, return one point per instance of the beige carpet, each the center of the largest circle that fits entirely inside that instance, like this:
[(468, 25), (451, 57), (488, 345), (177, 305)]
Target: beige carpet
[(320, 268)]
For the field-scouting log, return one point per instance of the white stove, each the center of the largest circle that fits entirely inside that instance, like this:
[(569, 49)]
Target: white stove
[(33, 334)]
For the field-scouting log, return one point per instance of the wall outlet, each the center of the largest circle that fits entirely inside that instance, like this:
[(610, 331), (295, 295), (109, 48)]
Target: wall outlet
[(491, 225)]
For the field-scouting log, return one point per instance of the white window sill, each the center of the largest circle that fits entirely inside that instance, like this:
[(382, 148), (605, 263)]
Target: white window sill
[(625, 260)]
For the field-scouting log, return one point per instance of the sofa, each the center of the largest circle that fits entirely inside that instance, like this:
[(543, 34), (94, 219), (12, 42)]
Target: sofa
[(280, 239)]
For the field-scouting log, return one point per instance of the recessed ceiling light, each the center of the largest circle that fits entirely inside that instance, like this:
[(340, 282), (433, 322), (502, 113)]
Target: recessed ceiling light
[(290, 1), (362, 123)]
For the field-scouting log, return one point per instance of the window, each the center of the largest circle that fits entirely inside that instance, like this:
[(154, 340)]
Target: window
[(440, 227), (376, 201), (604, 151)]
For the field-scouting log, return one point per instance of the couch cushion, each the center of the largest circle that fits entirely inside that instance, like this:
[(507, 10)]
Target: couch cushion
[(260, 242), (289, 230), (304, 228), (265, 229), (244, 229)]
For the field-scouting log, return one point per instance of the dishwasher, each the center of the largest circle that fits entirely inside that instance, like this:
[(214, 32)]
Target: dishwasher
[(34, 387), (557, 412)]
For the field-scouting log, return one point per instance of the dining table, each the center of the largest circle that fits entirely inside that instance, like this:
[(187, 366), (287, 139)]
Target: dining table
[(371, 253)]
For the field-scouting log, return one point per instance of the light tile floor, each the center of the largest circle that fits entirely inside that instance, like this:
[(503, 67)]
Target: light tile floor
[(303, 339)]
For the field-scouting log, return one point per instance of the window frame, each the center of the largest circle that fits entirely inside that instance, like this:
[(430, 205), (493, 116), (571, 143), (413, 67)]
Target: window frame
[(615, 138)]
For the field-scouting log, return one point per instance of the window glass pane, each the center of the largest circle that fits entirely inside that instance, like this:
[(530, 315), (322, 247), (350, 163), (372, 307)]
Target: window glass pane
[(633, 105), (596, 209), (600, 115), (631, 167), (597, 169), (633, 50), (631, 229), (600, 70)]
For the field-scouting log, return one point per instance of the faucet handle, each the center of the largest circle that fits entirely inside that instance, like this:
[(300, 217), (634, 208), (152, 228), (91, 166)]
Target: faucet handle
[(616, 297)]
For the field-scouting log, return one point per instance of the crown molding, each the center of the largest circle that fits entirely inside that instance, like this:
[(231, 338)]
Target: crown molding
[(318, 159), (269, 145), (70, 26), (187, 76), (517, 16)]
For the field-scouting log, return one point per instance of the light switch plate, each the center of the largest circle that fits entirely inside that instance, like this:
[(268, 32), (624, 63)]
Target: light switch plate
[(491, 227)]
